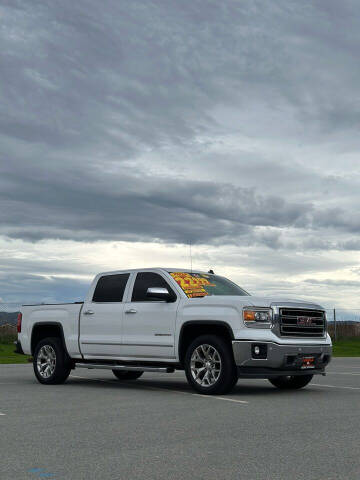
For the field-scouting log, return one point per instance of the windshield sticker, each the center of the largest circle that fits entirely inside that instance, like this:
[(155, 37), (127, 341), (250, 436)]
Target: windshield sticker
[(192, 283)]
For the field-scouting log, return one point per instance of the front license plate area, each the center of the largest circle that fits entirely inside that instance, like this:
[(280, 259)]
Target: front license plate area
[(308, 362)]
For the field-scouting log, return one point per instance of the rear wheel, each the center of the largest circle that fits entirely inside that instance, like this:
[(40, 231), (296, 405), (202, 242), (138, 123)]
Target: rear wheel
[(51, 363), (291, 382), (209, 365), (127, 374)]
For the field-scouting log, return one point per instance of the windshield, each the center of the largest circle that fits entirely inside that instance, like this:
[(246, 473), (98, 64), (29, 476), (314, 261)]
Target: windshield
[(202, 285)]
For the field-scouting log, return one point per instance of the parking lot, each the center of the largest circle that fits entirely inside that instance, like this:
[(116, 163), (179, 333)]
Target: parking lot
[(95, 427)]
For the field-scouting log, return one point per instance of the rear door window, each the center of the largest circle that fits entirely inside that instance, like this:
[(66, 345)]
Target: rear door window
[(111, 288)]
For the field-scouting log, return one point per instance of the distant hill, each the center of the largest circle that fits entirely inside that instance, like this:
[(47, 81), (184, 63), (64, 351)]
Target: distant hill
[(8, 317), (7, 330)]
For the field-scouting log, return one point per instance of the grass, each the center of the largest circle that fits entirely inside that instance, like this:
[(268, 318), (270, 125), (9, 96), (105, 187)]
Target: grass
[(7, 354), (347, 347), (344, 347)]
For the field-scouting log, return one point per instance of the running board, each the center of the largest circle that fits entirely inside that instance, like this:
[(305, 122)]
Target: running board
[(137, 368)]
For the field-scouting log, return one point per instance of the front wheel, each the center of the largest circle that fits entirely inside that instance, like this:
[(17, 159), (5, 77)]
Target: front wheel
[(291, 382), (209, 365), (51, 363), (127, 374)]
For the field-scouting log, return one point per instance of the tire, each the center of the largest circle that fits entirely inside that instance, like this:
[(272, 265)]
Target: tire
[(127, 374), (209, 365), (51, 363), (291, 382)]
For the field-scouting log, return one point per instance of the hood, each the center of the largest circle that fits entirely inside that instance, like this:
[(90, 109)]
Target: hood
[(254, 301), (286, 301)]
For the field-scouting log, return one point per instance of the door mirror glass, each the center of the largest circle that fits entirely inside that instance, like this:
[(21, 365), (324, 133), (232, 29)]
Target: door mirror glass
[(159, 293)]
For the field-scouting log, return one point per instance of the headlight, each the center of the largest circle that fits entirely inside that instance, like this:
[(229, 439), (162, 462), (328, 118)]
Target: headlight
[(257, 317)]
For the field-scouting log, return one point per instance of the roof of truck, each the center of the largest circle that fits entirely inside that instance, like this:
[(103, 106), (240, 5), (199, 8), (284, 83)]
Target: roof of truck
[(166, 269)]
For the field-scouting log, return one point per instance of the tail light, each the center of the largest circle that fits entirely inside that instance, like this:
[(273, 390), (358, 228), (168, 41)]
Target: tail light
[(19, 320)]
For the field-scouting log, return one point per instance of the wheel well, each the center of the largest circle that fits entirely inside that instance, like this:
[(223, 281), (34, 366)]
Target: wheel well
[(44, 330), (192, 330)]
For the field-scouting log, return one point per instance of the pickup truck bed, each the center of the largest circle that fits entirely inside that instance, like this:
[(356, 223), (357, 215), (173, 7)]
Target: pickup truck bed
[(65, 315)]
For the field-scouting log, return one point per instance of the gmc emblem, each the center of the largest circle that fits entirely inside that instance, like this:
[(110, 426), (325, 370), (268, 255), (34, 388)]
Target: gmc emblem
[(306, 321)]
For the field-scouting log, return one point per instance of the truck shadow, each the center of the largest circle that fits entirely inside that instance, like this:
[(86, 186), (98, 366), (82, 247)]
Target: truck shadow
[(181, 386), (241, 388)]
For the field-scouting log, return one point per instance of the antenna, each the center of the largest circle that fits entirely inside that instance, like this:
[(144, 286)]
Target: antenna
[(190, 257)]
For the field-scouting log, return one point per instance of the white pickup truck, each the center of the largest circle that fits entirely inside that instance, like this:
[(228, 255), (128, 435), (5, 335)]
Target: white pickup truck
[(162, 320)]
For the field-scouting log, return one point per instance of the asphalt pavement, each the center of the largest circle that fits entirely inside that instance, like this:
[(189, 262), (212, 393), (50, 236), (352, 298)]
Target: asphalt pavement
[(96, 427)]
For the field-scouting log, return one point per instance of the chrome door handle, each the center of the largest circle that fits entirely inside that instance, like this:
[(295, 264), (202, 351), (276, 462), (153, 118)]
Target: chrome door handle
[(89, 312), (132, 310)]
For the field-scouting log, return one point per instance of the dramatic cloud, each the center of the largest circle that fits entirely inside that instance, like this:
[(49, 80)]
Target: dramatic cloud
[(144, 126)]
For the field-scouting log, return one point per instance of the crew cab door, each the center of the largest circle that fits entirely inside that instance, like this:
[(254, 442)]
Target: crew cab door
[(102, 316), (149, 324)]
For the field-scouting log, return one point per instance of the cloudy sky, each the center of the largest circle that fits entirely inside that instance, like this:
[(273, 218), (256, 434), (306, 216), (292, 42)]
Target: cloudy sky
[(130, 129)]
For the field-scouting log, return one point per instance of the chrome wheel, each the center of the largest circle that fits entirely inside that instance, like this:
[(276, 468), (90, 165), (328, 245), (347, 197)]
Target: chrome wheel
[(205, 365), (46, 361)]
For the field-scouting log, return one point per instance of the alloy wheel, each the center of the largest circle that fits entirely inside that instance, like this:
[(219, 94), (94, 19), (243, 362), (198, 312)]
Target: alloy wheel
[(205, 365), (46, 361)]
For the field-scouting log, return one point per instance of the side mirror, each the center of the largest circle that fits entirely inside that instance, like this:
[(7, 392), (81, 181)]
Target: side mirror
[(159, 293)]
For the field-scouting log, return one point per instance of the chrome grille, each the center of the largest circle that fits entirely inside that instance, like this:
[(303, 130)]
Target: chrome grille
[(295, 322)]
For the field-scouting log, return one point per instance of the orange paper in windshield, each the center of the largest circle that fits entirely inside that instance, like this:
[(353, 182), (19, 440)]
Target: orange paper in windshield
[(193, 286)]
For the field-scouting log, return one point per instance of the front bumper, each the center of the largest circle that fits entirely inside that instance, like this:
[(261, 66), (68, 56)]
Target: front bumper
[(278, 359)]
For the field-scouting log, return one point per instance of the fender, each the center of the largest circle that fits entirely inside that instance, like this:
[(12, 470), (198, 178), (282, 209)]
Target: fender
[(218, 323), (49, 324)]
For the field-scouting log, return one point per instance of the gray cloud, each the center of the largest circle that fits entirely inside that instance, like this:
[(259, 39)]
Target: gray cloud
[(334, 283), (28, 288), (227, 124), (129, 207)]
